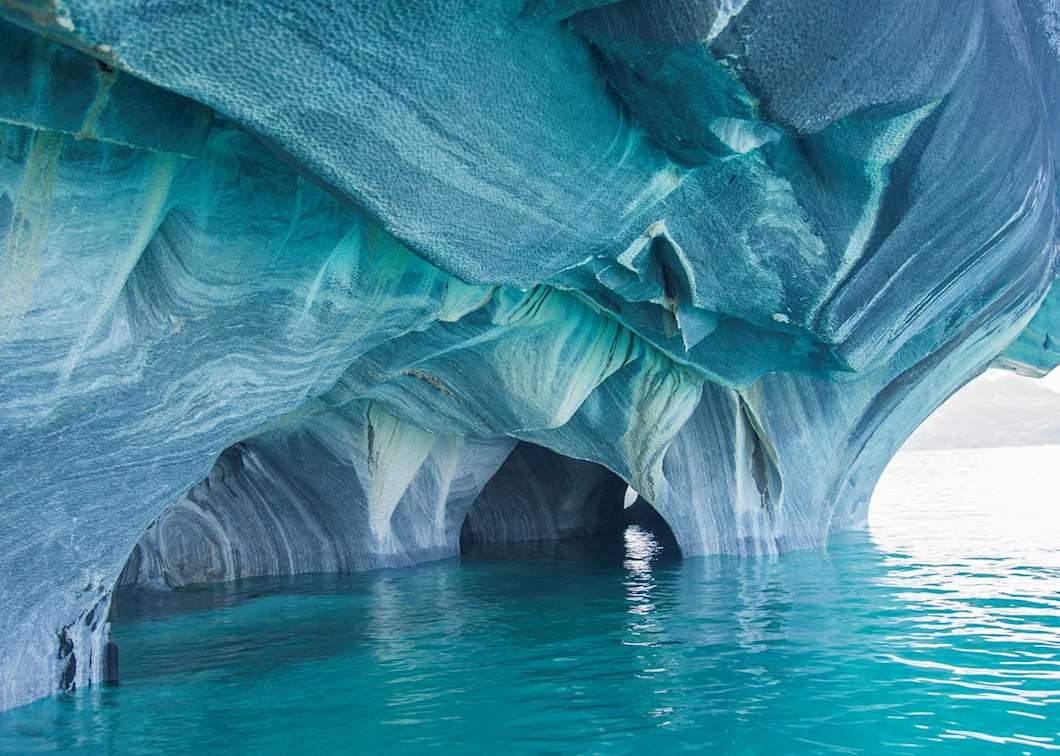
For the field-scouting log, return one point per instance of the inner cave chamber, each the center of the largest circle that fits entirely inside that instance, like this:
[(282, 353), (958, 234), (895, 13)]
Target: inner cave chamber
[(360, 490)]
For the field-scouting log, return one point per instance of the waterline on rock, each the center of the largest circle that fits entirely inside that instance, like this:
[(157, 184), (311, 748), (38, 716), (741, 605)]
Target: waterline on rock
[(900, 637)]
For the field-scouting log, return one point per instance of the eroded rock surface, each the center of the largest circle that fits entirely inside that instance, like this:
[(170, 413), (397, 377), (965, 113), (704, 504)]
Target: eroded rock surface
[(283, 285)]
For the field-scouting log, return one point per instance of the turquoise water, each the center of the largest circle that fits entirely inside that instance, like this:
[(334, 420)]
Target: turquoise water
[(938, 628)]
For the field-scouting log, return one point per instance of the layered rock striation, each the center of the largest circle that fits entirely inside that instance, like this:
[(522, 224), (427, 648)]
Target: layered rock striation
[(303, 287)]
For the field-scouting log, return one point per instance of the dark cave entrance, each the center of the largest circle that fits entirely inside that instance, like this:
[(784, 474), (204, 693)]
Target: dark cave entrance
[(539, 496)]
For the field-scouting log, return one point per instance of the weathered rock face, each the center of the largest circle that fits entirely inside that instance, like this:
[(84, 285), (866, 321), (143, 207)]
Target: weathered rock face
[(329, 491), (282, 286)]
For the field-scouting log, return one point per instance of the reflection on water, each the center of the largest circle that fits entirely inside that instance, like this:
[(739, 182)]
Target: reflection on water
[(939, 629), (980, 576)]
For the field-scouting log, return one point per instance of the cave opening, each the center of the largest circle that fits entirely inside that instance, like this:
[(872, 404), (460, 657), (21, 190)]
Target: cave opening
[(283, 514), (989, 443), (542, 497)]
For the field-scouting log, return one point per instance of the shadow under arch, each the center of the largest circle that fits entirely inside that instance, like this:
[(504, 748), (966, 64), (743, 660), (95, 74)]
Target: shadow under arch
[(540, 495)]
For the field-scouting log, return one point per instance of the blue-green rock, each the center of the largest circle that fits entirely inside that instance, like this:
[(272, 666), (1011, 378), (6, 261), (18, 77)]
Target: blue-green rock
[(291, 287)]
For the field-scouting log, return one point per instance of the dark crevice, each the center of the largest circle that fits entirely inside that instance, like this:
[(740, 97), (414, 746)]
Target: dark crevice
[(68, 661), (764, 467)]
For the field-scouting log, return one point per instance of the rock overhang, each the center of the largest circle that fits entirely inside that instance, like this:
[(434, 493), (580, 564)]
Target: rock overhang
[(732, 258)]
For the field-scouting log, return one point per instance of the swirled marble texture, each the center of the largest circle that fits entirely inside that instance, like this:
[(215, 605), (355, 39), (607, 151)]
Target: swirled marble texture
[(283, 285)]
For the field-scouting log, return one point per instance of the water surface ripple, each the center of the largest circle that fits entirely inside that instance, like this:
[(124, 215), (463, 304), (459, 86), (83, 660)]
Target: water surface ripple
[(937, 629)]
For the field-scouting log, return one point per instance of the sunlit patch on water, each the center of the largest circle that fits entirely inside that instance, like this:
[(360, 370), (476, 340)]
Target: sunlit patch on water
[(938, 629)]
